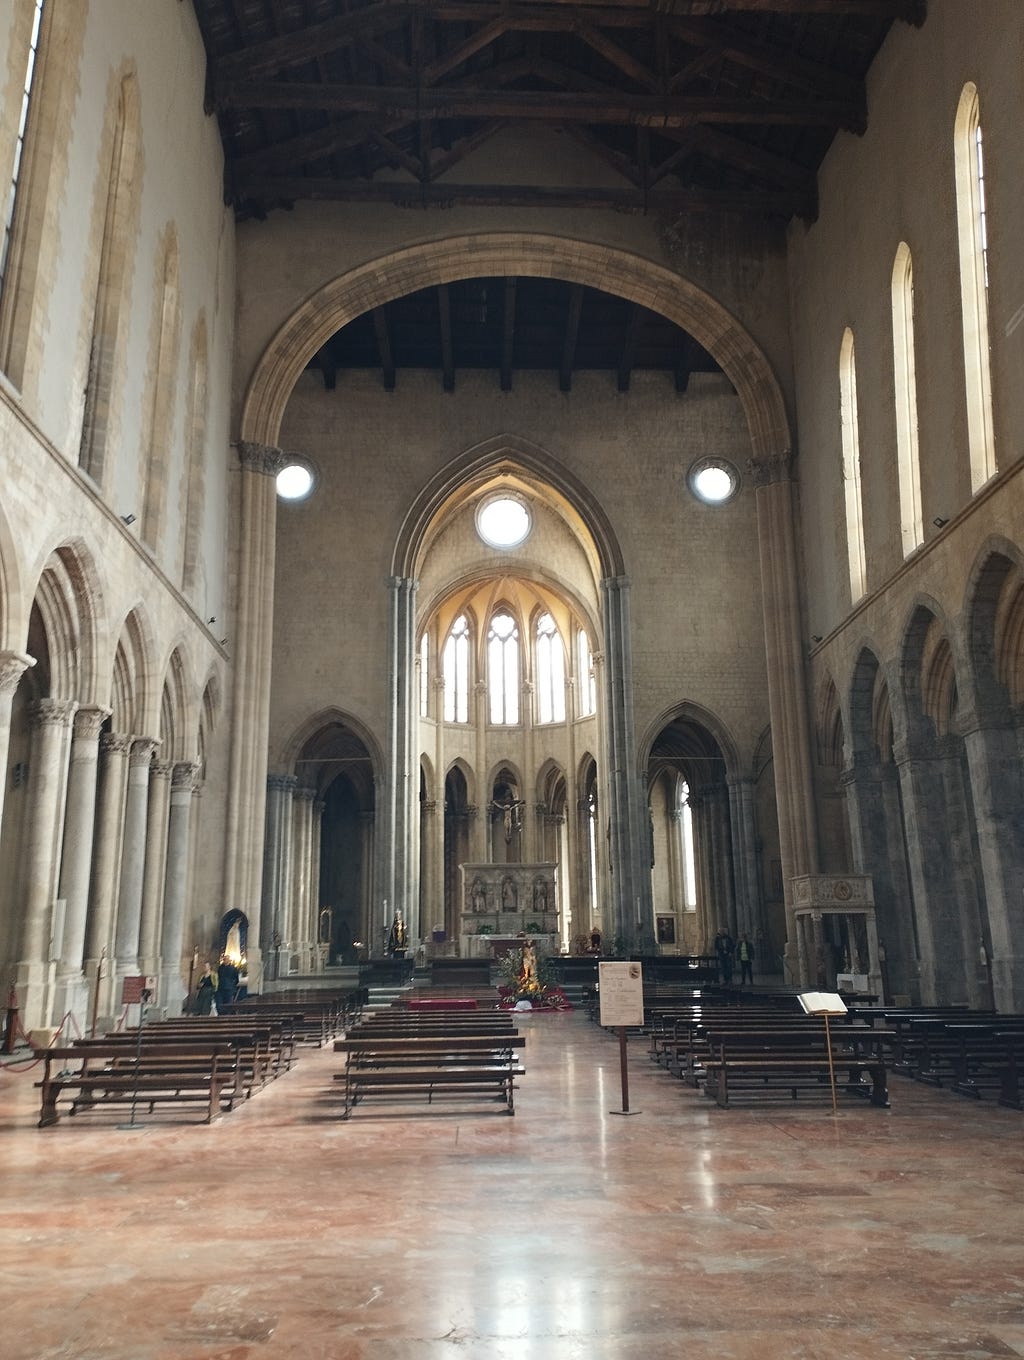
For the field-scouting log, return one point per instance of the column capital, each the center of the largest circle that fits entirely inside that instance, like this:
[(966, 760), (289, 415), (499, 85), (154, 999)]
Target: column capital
[(282, 783), (143, 749), (185, 774), (162, 769), (117, 743), (51, 712), (429, 806), (264, 458), (13, 666), (776, 468), (305, 794), (89, 722)]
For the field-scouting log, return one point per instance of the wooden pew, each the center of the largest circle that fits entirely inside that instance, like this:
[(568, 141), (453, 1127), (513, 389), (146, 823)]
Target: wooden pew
[(114, 1073), (422, 1065), (772, 1064)]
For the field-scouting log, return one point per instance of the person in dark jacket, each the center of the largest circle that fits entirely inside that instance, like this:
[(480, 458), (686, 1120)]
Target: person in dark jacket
[(206, 990), (227, 984), (745, 955)]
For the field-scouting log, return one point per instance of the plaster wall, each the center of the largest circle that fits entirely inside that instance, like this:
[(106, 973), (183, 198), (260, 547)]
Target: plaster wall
[(896, 184)]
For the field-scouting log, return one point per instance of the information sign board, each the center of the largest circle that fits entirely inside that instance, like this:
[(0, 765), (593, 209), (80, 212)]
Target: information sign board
[(621, 994)]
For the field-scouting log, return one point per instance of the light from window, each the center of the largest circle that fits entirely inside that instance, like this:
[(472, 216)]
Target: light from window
[(713, 480), (905, 374), (503, 522), (686, 846), (295, 482), (851, 466), (424, 676), (587, 687), (19, 142), (456, 672), (503, 669), (550, 672)]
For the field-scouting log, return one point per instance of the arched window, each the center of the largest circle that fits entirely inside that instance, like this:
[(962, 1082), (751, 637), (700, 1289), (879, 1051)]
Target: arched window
[(973, 237), (550, 671), (161, 416), (503, 669), (195, 463), (586, 686), (424, 676), (686, 856), (11, 196), (851, 466), (456, 672), (904, 370)]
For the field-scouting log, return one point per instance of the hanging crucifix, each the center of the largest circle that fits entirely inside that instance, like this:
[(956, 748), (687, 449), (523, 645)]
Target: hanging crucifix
[(511, 813)]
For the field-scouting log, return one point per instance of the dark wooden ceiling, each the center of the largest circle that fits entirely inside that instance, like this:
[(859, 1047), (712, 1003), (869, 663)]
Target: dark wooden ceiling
[(696, 105), (681, 106)]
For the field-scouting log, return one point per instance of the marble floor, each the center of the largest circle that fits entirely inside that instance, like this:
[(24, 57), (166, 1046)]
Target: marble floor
[(564, 1233)]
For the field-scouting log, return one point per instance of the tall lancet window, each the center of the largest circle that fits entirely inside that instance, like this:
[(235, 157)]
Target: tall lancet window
[(851, 467), (905, 375), (424, 676), (456, 672), (550, 672), (587, 684), (503, 669), (972, 227), (11, 197), (687, 857)]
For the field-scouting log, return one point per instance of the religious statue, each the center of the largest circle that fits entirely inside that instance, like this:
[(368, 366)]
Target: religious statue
[(508, 894), (540, 896), (511, 814), (478, 896), (397, 936), (529, 973)]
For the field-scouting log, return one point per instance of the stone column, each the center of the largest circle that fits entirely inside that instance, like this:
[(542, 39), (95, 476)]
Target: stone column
[(156, 864), (44, 815), (277, 867), (173, 985), (76, 860), (431, 903), (250, 710), (133, 857), (627, 814), (747, 880), (13, 666), (997, 793), (787, 680), (400, 851), (303, 916), (314, 860), (113, 781)]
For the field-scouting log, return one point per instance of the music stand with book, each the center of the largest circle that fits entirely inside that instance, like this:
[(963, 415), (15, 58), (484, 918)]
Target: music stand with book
[(826, 1004)]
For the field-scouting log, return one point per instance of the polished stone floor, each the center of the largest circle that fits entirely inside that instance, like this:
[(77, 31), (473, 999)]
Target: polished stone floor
[(564, 1233)]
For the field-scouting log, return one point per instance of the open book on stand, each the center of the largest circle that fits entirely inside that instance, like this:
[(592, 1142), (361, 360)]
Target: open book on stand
[(822, 1003)]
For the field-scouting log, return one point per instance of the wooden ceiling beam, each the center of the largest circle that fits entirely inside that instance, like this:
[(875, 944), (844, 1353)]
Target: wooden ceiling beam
[(743, 155), (572, 330), (655, 111), (395, 156), (617, 56), (483, 37), (387, 358), (810, 76), (311, 40), (313, 146), (442, 164), (636, 13), (508, 332), (670, 202), (622, 165), (444, 307)]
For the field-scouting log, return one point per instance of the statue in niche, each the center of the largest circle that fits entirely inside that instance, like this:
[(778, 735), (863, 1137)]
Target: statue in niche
[(478, 896), (540, 897), (509, 899)]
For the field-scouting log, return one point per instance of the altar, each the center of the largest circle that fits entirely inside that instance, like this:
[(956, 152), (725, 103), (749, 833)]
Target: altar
[(501, 902)]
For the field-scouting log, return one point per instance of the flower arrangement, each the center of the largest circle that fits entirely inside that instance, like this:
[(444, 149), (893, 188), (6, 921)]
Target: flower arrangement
[(525, 979)]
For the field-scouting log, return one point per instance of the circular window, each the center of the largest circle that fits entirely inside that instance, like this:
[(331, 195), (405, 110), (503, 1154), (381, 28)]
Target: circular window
[(503, 521), (296, 480), (713, 480)]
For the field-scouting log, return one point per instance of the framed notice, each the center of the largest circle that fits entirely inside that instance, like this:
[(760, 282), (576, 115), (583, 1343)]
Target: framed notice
[(621, 994)]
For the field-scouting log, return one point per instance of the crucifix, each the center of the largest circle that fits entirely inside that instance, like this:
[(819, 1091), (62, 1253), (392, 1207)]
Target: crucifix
[(511, 813)]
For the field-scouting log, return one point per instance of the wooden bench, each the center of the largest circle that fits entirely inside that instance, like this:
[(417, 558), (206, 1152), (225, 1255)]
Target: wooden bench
[(772, 1064), (263, 1051), (116, 1073), (418, 1065)]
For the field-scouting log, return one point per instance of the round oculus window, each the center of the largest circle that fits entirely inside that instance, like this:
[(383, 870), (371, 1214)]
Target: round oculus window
[(713, 480), (503, 522), (295, 481)]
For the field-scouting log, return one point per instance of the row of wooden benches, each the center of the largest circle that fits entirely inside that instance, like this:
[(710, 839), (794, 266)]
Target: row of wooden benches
[(209, 1063), (411, 1054)]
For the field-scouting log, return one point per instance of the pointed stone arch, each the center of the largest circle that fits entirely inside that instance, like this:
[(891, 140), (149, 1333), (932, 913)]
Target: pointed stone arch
[(68, 594)]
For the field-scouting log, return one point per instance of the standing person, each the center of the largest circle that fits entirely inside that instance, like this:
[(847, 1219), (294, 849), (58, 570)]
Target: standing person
[(206, 989), (725, 949), (745, 954), (227, 984)]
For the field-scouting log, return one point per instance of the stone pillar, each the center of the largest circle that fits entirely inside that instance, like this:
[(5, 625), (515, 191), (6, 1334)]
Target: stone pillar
[(746, 879), (156, 865), (173, 984), (76, 860), (44, 814), (133, 857), (314, 859), (13, 666), (787, 680), (627, 814), (113, 781), (277, 867), (431, 881), (400, 851), (303, 916), (997, 793), (250, 710)]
